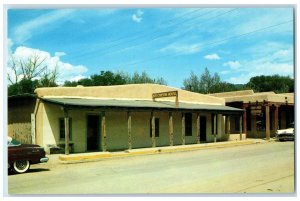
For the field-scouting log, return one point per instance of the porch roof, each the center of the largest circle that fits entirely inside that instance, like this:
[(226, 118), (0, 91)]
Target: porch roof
[(140, 104)]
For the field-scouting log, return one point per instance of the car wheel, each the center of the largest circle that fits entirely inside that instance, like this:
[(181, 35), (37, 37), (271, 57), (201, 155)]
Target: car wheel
[(21, 166)]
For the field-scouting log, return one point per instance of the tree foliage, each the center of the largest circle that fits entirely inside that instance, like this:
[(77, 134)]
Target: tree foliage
[(26, 68), (107, 78), (25, 86), (207, 83), (28, 74), (276, 83)]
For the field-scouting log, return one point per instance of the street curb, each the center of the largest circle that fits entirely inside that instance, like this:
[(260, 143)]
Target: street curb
[(88, 157)]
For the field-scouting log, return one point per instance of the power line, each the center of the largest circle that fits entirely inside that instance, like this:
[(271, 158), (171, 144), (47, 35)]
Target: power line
[(159, 36), (137, 36), (217, 42)]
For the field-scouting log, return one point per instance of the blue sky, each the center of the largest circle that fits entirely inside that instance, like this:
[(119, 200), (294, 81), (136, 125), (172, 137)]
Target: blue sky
[(236, 43)]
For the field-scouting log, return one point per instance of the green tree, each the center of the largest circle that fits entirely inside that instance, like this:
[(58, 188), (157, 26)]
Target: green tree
[(276, 83), (192, 83), (107, 78), (49, 78), (25, 86), (207, 83), (26, 74), (70, 83), (138, 78)]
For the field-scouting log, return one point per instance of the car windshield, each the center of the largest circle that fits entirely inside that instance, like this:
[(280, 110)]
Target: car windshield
[(12, 142)]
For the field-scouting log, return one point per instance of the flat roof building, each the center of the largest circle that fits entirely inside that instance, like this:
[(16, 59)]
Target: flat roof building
[(265, 112), (108, 118)]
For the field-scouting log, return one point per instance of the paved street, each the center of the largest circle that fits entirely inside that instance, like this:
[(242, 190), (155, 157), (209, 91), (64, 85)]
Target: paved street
[(257, 168)]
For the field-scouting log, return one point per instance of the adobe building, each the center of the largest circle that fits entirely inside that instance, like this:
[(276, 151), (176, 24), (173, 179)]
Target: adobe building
[(110, 118), (264, 113), (20, 108)]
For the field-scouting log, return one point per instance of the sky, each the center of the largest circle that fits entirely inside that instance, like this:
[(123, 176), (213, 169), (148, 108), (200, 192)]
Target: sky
[(237, 43)]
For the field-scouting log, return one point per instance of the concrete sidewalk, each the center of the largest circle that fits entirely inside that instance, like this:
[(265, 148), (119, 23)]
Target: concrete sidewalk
[(94, 156)]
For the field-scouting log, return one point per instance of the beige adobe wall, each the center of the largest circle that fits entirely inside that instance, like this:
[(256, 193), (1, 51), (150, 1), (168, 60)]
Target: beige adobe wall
[(39, 133), (140, 127), (249, 96), (233, 93), (276, 98), (236, 137), (79, 125), (79, 128), (50, 124), (177, 128), (131, 91), (116, 128)]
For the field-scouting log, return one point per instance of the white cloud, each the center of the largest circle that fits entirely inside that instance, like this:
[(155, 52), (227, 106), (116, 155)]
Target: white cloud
[(66, 71), (77, 78), (180, 48), (26, 30), (261, 67), (212, 57), (266, 58), (59, 54), (241, 78), (137, 17), (234, 65)]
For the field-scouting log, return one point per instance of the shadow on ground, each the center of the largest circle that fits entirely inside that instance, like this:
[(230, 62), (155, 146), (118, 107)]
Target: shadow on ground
[(33, 170)]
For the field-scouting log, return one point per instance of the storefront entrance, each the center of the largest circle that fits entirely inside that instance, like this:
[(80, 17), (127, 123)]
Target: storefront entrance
[(202, 128), (93, 133)]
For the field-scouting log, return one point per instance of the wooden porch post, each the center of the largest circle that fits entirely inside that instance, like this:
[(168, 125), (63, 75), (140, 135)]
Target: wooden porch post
[(183, 128), (215, 128), (267, 122), (198, 128), (103, 129), (153, 129), (227, 122), (171, 129), (241, 128), (129, 129), (253, 125), (276, 118), (67, 131), (245, 120)]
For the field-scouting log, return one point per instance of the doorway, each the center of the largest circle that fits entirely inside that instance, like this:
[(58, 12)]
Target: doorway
[(202, 128), (93, 133)]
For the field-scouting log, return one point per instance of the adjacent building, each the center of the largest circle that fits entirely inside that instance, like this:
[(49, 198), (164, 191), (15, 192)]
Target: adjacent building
[(264, 112), (20, 108)]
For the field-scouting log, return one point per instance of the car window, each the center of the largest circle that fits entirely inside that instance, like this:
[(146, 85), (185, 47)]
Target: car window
[(13, 142)]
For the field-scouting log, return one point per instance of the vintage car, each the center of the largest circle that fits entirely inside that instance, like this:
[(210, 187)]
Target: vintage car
[(21, 156), (285, 134)]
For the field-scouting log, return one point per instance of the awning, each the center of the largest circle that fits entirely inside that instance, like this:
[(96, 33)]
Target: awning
[(140, 105)]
